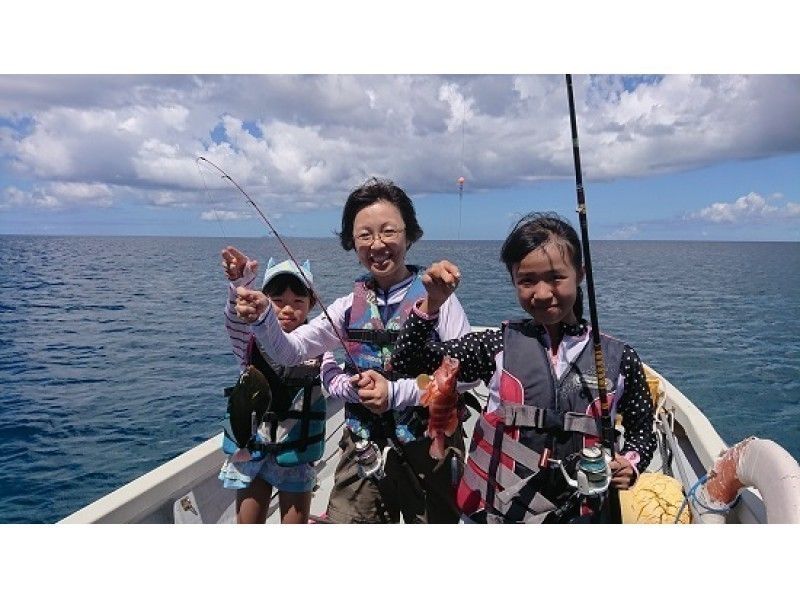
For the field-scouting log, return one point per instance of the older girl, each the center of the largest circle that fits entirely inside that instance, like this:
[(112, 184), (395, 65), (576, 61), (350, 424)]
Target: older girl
[(541, 378)]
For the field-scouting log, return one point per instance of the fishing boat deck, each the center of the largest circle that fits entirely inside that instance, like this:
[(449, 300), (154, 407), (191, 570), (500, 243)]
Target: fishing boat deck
[(186, 489)]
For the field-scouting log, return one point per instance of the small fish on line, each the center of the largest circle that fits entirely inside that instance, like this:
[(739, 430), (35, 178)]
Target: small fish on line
[(441, 399)]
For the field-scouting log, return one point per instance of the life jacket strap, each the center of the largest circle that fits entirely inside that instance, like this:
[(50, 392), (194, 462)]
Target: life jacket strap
[(305, 418), (535, 511), (280, 447), (493, 465), (547, 420), (504, 476), (470, 400), (583, 423), (295, 414), (514, 449), (373, 336), (504, 490)]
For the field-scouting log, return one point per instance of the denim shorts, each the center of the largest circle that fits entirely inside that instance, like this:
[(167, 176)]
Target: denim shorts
[(295, 478)]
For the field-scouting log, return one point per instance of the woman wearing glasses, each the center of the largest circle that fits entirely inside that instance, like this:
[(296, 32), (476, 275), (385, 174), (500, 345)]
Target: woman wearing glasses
[(381, 409)]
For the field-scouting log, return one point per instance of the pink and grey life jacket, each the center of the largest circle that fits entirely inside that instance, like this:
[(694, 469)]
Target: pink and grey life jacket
[(371, 336), (537, 411)]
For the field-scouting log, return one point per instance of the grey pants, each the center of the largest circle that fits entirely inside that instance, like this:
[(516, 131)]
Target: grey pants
[(412, 489)]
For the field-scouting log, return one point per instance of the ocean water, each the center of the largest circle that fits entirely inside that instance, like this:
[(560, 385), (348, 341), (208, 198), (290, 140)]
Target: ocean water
[(113, 353)]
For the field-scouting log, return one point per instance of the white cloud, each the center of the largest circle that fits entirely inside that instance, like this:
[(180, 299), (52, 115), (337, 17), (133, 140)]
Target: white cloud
[(14, 197), (460, 107), (624, 233), (307, 140), (750, 207), (224, 215), (58, 195), (95, 193)]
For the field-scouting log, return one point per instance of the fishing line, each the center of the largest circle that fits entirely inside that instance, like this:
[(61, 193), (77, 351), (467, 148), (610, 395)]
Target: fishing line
[(208, 194), (216, 211), (311, 288), (461, 178)]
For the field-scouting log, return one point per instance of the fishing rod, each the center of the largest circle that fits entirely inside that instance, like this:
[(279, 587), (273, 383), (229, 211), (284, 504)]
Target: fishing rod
[(607, 425), (311, 288)]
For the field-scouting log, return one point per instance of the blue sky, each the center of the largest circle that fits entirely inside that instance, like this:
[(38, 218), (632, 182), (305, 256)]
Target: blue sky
[(671, 156)]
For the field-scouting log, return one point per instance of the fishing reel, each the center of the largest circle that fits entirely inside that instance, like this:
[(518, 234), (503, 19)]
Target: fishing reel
[(592, 472), (370, 460)]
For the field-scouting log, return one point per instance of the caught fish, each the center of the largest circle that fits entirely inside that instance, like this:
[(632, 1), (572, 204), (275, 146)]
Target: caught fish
[(247, 403), (441, 399)]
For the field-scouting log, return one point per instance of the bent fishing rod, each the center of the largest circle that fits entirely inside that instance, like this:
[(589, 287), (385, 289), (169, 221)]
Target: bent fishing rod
[(607, 426), (311, 288)]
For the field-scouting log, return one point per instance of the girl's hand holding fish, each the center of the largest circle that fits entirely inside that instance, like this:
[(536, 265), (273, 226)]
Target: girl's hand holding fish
[(236, 264), (440, 280), (373, 390), (250, 304)]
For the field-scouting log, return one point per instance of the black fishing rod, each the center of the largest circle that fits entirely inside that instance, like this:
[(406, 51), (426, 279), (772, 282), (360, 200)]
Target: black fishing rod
[(607, 426), (311, 288)]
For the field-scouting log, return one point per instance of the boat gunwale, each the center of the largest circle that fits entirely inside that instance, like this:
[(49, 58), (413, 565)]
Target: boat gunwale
[(147, 494)]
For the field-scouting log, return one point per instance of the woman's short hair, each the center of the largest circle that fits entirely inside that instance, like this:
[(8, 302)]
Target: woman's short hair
[(372, 191)]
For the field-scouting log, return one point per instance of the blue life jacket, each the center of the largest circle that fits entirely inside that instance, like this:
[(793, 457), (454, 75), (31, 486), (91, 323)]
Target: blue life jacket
[(292, 426), (370, 341)]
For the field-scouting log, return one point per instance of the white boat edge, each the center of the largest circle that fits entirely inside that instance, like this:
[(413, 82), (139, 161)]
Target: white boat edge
[(172, 492), (186, 488)]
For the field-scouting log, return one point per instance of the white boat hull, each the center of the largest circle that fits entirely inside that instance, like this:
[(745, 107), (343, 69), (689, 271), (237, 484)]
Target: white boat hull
[(186, 489)]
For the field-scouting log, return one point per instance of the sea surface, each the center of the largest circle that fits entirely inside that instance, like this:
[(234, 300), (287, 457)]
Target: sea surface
[(113, 353)]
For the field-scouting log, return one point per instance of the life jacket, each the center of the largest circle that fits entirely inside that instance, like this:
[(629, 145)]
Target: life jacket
[(290, 424), (370, 342), (537, 411)]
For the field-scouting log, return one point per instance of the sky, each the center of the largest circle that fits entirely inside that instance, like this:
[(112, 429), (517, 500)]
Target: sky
[(664, 156), (104, 111)]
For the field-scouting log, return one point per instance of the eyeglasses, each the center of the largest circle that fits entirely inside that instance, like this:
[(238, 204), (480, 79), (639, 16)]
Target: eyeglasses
[(386, 236)]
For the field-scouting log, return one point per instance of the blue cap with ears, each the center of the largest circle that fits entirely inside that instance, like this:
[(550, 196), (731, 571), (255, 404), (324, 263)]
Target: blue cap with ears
[(288, 267)]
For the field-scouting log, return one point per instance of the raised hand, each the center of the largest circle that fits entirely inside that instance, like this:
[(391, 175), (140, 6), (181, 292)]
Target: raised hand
[(440, 280), (250, 304), (236, 264)]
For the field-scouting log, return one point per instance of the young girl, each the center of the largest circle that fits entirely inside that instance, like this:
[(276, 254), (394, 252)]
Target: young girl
[(541, 378), (280, 456)]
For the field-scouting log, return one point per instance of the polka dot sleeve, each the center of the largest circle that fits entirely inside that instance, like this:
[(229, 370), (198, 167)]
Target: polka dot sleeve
[(636, 408), (418, 352)]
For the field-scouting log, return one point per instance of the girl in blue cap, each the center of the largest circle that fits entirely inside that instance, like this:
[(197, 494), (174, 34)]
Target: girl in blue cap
[(272, 449)]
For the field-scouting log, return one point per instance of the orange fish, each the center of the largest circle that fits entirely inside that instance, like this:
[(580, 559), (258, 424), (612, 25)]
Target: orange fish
[(441, 399)]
